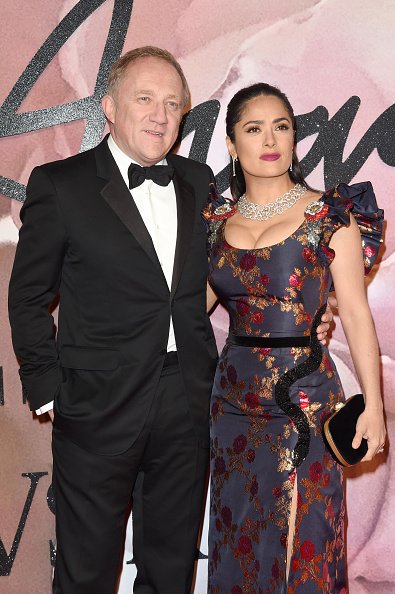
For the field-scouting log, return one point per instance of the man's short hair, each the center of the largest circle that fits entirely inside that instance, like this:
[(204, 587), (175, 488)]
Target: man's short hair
[(121, 64)]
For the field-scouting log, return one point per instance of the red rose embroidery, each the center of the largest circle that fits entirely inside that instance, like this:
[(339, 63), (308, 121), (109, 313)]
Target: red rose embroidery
[(224, 382), (248, 261), (244, 545), (252, 400), (277, 492), (239, 444), (232, 374), (303, 400), (220, 466), (226, 515), (307, 550), (327, 364), (242, 307), (309, 255), (275, 570), (265, 279), (294, 280), (236, 590), (295, 564), (315, 472), (257, 317), (251, 456), (369, 251), (265, 352), (300, 500)]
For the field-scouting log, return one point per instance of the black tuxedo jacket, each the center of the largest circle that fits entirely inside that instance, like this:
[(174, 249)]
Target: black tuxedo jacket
[(83, 237)]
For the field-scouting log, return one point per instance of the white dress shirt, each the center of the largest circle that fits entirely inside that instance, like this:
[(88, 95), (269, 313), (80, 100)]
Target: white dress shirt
[(158, 208)]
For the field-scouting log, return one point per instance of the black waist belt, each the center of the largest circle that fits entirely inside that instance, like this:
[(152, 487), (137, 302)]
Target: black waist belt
[(267, 342)]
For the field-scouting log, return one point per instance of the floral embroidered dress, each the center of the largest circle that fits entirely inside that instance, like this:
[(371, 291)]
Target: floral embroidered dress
[(268, 405)]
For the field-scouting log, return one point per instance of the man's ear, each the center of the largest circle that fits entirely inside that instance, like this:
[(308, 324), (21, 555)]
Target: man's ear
[(108, 105), (231, 148)]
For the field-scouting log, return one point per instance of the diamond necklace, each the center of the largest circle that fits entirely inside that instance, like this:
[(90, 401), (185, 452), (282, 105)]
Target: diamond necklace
[(262, 212)]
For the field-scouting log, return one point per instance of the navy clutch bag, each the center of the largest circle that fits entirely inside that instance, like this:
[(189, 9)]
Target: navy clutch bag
[(339, 430)]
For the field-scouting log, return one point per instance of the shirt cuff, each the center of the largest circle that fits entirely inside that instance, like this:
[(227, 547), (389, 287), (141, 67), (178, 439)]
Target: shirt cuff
[(43, 409)]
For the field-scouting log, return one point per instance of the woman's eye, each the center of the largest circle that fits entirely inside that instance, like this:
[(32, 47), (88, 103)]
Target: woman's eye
[(253, 129), (282, 127)]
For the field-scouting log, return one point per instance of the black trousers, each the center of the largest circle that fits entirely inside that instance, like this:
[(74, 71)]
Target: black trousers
[(165, 471)]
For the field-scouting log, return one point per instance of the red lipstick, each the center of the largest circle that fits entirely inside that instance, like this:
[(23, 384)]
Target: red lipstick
[(270, 156)]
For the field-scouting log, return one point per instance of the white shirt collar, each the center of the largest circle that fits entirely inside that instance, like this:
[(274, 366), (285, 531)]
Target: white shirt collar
[(123, 160)]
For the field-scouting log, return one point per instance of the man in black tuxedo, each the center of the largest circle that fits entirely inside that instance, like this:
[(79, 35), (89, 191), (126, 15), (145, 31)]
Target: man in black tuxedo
[(130, 371)]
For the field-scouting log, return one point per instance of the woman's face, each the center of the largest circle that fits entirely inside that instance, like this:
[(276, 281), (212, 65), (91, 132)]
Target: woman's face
[(264, 138)]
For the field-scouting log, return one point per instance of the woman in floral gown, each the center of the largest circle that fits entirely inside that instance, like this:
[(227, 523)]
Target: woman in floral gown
[(277, 502)]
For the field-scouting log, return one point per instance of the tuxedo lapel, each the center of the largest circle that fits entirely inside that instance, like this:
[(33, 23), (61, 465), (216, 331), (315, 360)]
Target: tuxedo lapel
[(117, 196), (185, 217)]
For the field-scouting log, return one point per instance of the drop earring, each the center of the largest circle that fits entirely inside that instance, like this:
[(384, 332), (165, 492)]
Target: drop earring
[(290, 167), (234, 159)]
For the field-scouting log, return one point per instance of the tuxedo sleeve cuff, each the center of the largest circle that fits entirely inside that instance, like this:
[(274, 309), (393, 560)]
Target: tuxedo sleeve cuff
[(45, 408), (42, 389)]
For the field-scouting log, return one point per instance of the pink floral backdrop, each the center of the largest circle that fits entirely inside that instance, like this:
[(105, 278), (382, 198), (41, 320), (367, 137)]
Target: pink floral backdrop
[(334, 59)]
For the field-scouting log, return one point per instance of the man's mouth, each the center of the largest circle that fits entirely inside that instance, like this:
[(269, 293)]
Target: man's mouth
[(154, 132)]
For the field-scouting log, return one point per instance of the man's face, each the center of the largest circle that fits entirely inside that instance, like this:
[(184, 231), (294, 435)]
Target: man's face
[(146, 110)]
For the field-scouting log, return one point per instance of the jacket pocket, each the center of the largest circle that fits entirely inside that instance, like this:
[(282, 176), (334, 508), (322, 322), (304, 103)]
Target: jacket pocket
[(97, 359)]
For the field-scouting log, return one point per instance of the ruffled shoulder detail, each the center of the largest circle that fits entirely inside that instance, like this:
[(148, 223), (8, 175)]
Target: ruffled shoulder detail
[(332, 211), (218, 209)]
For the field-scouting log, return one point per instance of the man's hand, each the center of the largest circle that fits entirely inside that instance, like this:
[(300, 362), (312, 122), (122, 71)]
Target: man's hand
[(323, 328)]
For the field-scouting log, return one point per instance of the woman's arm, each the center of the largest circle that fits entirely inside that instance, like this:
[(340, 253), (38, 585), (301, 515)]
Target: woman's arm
[(348, 277)]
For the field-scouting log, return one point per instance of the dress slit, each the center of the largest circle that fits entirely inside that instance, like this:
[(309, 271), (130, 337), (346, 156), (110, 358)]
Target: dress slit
[(291, 527)]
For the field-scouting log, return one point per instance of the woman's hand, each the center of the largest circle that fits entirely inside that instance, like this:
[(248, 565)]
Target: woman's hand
[(371, 426)]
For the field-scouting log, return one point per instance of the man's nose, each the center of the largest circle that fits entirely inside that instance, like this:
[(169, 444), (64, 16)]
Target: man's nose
[(159, 113)]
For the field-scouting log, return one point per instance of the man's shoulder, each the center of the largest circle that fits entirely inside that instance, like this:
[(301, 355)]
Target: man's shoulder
[(83, 163), (69, 164)]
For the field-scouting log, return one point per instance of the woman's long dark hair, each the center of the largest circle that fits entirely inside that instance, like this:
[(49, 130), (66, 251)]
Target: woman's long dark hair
[(234, 112)]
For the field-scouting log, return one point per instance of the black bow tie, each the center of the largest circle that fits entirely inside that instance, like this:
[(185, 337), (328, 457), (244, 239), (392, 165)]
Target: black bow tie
[(160, 174)]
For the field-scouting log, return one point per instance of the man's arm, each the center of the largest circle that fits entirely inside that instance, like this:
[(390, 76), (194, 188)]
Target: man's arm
[(34, 284), (326, 320)]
